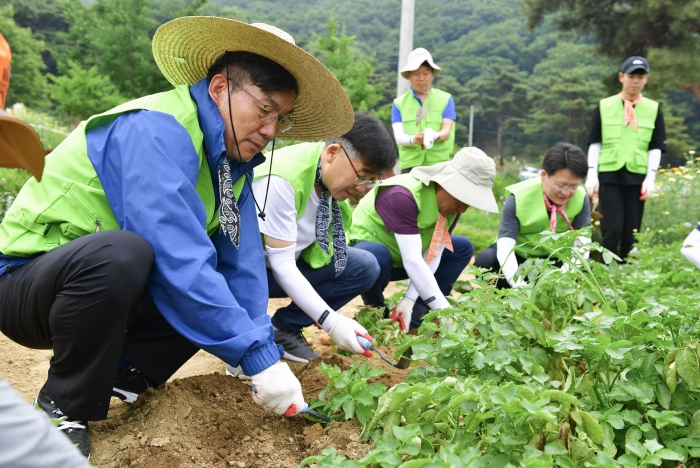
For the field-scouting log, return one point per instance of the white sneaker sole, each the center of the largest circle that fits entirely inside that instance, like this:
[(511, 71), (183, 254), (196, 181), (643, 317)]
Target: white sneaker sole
[(238, 373), (127, 397), (291, 357)]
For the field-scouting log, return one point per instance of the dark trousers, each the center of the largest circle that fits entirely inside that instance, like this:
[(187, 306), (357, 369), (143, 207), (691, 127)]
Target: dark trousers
[(622, 212), (487, 259), (360, 273), (88, 300), (451, 266)]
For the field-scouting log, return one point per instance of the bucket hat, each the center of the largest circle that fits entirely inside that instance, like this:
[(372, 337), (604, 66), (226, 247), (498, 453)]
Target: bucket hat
[(186, 47), (415, 59), (468, 177), (20, 147)]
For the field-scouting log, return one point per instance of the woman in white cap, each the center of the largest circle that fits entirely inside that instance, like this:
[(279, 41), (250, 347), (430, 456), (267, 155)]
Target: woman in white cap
[(423, 118), (554, 201), (141, 246), (406, 224)]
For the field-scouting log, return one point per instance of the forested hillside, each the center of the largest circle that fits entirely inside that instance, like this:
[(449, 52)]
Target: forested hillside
[(533, 87)]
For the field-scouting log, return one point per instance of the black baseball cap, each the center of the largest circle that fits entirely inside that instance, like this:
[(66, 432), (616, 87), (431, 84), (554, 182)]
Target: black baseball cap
[(635, 64)]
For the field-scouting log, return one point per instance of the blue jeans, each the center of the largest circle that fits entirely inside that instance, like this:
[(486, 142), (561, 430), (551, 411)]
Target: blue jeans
[(451, 266), (360, 273)]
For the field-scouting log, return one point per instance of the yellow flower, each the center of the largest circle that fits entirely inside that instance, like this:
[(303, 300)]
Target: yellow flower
[(665, 212), (691, 152), (634, 230), (597, 223), (660, 231), (671, 179), (688, 177)]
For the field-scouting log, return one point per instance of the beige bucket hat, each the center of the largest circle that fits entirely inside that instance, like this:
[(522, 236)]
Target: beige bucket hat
[(415, 59), (468, 177), (186, 47)]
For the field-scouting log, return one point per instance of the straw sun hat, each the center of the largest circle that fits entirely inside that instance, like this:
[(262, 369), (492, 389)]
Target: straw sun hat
[(185, 48)]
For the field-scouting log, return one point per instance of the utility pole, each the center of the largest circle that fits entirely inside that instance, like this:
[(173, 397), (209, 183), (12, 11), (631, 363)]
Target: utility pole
[(471, 124), (408, 8)]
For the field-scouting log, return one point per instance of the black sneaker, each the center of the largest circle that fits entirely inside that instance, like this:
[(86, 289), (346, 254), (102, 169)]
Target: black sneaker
[(295, 346), (77, 431), (129, 383)]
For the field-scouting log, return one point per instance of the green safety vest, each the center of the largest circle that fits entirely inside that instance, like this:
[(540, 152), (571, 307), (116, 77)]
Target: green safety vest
[(70, 201), (367, 225), (534, 218), (413, 155), (297, 165), (622, 145)]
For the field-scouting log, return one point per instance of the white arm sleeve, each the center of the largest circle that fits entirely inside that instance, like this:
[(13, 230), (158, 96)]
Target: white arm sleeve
[(284, 269), (411, 293), (691, 247), (594, 155), (654, 160), (400, 135), (419, 272), (506, 257)]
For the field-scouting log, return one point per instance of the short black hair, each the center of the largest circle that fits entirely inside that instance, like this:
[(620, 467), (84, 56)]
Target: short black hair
[(372, 142), (565, 156), (250, 68)]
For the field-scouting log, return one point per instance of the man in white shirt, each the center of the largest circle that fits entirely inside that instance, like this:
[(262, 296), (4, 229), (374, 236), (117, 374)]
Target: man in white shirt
[(304, 232)]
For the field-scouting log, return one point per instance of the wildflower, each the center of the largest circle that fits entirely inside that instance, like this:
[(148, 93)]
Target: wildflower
[(597, 223), (664, 170), (671, 179), (687, 225), (660, 231), (634, 230), (691, 152), (688, 177), (665, 212)]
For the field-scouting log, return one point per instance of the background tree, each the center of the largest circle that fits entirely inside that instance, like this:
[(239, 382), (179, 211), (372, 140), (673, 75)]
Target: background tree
[(81, 92), (27, 84), (501, 94), (353, 70)]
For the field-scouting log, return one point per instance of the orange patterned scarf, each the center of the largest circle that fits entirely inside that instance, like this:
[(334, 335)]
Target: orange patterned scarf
[(630, 116), (441, 236)]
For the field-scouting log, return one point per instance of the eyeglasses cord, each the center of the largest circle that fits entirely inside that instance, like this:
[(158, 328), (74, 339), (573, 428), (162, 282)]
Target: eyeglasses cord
[(261, 212)]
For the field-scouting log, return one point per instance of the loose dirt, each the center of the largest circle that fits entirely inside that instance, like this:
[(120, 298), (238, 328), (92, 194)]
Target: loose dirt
[(203, 418)]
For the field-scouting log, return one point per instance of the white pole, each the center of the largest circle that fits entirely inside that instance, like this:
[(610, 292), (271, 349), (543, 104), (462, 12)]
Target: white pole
[(408, 8), (405, 42), (471, 124)]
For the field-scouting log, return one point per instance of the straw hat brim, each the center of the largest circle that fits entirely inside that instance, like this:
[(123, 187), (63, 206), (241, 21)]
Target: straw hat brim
[(20, 146), (186, 47)]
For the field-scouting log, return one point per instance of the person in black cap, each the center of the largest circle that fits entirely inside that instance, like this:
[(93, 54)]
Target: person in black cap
[(626, 140)]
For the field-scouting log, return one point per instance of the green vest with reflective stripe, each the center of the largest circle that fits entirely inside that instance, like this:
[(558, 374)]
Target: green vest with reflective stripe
[(70, 201), (368, 225), (534, 218), (297, 165), (622, 145), (413, 155)]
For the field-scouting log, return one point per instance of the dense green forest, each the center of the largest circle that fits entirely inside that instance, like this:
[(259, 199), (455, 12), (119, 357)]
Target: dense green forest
[(533, 78)]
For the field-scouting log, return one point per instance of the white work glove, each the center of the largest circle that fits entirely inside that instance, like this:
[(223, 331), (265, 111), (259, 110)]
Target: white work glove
[(277, 389), (403, 312), (592, 183), (520, 283), (647, 186), (344, 332), (430, 137)]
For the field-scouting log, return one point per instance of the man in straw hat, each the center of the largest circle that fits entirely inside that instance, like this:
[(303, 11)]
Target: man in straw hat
[(141, 244), (27, 438), (406, 223), (423, 118)]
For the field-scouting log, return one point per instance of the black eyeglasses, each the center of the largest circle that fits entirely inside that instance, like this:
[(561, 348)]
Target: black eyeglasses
[(268, 113), (361, 180)]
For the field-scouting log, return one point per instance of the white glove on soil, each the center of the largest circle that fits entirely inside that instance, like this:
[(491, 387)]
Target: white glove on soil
[(277, 389), (403, 313), (344, 332)]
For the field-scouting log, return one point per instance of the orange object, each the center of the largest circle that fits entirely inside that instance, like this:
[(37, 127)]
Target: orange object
[(20, 146), (441, 236)]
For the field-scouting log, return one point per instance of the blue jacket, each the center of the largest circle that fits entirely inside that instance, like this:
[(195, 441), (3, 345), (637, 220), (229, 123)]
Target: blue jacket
[(212, 293)]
